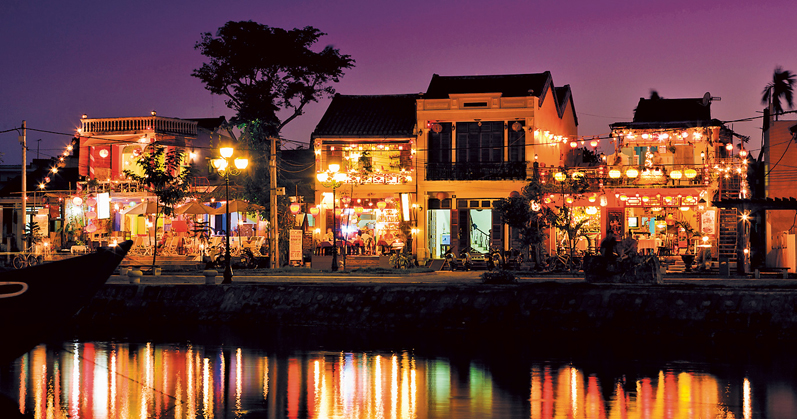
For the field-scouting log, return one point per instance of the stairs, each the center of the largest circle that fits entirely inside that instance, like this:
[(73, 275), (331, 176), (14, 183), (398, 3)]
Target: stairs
[(728, 222)]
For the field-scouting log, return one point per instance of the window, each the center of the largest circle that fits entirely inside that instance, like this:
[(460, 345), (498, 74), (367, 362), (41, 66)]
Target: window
[(517, 141), (440, 144), (480, 142)]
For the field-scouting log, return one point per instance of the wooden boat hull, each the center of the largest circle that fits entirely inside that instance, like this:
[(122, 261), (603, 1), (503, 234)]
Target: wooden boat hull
[(36, 301)]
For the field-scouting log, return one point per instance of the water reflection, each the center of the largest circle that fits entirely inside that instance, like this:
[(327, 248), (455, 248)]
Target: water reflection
[(113, 380)]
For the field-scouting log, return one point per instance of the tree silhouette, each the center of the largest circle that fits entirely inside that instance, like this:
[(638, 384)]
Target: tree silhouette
[(781, 87)]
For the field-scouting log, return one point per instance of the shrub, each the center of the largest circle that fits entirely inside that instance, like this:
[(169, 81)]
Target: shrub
[(498, 277)]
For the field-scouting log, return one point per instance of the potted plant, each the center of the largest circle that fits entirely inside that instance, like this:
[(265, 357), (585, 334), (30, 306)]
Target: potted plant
[(688, 258)]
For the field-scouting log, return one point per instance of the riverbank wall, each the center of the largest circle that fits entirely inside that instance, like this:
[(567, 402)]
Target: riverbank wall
[(620, 310)]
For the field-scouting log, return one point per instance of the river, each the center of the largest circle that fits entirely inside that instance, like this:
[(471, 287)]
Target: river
[(320, 373)]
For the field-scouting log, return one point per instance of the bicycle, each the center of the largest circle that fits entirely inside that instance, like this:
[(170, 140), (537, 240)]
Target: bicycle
[(27, 258)]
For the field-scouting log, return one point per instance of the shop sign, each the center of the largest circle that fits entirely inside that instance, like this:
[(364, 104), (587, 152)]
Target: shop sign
[(295, 249), (708, 222)]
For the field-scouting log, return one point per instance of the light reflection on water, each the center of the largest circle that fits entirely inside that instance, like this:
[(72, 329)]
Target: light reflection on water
[(119, 380)]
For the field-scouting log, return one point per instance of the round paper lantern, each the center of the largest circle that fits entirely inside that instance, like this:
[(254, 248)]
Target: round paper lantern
[(381, 204), (690, 173), (77, 201), (358, 210), (91, 214), (632, 173), (441, 196), (559, 176), (676, 174), (314, 211), (615, 174), (295, 208), (90, 201), (91, 228)]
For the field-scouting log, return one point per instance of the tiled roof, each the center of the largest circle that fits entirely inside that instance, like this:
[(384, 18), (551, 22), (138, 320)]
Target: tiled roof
[(672, 110), (209, 124), (369, 116), (511, 85), (670, 113)]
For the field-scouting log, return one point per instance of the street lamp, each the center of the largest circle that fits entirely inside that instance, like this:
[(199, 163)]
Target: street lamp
[(222, 165), (333, 179)]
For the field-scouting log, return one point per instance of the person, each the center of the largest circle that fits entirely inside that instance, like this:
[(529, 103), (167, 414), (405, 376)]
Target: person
[(329, 236), (368, 241), (608, 244), (628, 246)]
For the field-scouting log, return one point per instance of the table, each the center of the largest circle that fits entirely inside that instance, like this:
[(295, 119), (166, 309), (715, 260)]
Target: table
[(647, 244), (78, 249)]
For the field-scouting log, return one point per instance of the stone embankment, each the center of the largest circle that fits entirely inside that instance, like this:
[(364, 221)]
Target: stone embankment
[(655, 311)]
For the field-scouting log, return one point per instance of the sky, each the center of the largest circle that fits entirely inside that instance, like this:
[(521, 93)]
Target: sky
[(121, 58)]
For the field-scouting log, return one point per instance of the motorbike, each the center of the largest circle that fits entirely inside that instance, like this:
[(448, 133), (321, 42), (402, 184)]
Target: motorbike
[(463, 262), (495, 260)]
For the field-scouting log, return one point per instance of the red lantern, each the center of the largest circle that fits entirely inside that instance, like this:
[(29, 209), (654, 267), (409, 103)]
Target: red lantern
[(314, 211), (295, 208), (381, 204), (90, 201), (91, 214)]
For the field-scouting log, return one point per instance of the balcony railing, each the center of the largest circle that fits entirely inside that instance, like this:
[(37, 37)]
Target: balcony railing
[(146, 123), (476, 171)]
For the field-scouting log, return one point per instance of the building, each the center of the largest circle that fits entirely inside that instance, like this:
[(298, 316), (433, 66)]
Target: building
[(371, 142), (669, 164), (423, 170)]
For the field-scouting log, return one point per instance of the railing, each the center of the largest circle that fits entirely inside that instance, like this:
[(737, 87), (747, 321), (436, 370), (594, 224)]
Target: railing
[(476, 171), (144, 123)]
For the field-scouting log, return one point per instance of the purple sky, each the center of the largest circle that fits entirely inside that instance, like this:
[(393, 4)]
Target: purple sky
[(123, 58)]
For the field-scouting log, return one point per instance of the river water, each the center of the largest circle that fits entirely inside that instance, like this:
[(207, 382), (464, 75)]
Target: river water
[(311, 373)]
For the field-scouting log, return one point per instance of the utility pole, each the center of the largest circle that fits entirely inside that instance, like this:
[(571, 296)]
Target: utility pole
[(24, 209), (273, 205)]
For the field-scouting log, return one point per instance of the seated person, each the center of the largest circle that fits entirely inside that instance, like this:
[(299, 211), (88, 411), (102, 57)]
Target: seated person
[(628, 246), (368, 240), (329, 236)]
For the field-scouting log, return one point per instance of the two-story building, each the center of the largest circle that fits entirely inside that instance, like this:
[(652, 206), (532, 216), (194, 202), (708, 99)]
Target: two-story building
[(670, 163)]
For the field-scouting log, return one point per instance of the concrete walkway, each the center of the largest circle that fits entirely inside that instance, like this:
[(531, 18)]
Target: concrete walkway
[(433, 278)]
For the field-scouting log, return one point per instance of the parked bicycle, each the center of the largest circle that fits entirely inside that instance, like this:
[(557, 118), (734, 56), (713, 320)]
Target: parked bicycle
[(27, 258)]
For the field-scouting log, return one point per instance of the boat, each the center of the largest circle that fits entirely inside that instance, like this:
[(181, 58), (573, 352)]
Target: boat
[(36, 301)]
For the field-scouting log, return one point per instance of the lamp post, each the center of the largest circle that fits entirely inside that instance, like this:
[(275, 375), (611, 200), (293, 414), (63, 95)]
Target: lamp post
[(222, 165), (333, 179)]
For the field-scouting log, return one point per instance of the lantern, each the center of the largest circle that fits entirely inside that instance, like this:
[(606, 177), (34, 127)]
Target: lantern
[(337, 211), (632, 173), (358, 209), (604, 201), (314, 211), (559, 176), (381, 204), (91, 228), (676, 174), (91, 214), (573, 144), (90, 201), (78, 201), (592, 210), (615, 174), (690, 173), (592, 198), (295, 208)]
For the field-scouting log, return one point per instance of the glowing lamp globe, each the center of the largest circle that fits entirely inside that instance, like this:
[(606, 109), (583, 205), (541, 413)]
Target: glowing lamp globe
[(676, 174), (632, 173), (615, 174), (559, 176), (358, 210), (78, 201), (91, 201), (690, 173), (381, 204)]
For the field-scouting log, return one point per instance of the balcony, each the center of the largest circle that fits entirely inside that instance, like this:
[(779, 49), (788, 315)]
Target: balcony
[(155, 124), (476, 171)]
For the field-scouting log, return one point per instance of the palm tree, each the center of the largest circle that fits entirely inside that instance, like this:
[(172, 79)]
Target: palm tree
[(781, 87)]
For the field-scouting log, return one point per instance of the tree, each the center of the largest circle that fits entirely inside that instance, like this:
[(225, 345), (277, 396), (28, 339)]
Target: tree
[(268, 75), (166, 177), (781, 87)]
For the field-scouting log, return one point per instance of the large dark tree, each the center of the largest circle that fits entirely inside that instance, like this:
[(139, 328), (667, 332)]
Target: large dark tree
[(780, 88), (268, 75)]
